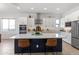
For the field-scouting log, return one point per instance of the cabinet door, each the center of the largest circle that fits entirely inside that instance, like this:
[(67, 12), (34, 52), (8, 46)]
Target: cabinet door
[(75, 42), (31, 22), (74, 29), (77, 31), (49, 22), (37, 45)]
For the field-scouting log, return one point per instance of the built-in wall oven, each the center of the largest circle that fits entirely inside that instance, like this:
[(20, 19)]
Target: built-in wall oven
[(22, 29)]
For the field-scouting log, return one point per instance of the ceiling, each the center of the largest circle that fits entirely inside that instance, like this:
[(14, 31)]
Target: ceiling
[(54, 8)]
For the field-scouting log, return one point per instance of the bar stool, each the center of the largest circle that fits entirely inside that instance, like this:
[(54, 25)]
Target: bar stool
[(24, 44), (51, 43)]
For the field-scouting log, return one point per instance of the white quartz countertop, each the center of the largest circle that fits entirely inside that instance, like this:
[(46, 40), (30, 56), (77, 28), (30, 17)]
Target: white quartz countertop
[(30, 36)]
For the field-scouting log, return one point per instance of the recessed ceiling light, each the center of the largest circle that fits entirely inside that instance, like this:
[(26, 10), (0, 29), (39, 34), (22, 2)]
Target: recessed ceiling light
[(45, 8), (18, 7), (32, 8), (57, 9)]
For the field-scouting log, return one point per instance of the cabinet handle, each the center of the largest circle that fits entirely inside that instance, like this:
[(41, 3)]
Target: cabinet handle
[(37, 46)]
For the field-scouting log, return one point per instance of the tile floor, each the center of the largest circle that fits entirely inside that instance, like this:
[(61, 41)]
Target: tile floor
[(7, 48)]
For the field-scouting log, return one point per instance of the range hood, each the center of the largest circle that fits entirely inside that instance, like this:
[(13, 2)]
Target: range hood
[(38, 20)]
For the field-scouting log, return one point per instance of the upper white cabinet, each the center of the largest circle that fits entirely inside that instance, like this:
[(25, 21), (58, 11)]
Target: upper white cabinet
[(31, 22), (62, 22), (70, 17), (22, 20), (49, 22)]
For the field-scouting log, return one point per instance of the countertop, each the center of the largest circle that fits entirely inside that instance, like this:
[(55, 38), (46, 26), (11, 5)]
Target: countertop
[(30, 36)]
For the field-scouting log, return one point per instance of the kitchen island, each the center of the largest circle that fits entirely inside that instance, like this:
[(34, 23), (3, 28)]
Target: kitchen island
[(38, 43)]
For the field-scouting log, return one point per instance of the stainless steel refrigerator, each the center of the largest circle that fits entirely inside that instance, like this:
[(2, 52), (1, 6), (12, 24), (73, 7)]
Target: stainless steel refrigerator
[(75, 34)]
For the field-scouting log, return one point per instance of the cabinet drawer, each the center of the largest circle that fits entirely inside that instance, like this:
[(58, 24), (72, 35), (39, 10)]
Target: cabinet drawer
[(75, 42)]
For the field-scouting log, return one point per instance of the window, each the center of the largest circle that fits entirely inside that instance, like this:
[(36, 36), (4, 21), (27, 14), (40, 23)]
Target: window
[(57, 22), (8, 24), (5, 24)]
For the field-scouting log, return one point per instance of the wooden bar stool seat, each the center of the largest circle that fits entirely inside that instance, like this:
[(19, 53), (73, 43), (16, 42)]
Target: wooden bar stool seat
[(50, 44), (23, 43)]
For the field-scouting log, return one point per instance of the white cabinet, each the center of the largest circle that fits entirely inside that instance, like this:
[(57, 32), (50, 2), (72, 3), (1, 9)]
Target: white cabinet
[(46, 22), (30, 22), (67, 37), (49, 22), (62, 22)]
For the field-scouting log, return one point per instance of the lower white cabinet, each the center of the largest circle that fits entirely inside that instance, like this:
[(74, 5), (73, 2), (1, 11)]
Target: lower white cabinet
[(67, 37)]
